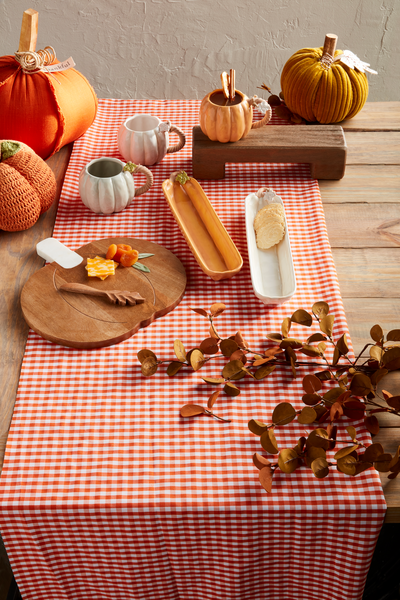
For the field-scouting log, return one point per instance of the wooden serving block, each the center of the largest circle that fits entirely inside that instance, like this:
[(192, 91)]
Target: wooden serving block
[(82, 321), (322, 146)]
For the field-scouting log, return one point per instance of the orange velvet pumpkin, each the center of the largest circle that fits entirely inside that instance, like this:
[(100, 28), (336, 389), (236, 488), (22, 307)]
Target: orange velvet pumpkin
[(44, 111), (27, 186)]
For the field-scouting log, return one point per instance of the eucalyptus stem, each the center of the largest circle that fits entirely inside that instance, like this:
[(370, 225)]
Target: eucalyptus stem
[(361, 353), (211, 414)]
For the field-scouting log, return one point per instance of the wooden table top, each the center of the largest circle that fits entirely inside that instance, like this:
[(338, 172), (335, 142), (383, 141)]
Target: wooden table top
[(363, 221)]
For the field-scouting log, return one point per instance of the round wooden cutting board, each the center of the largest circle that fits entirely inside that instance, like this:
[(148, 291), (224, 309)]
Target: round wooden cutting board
[(82, 321)]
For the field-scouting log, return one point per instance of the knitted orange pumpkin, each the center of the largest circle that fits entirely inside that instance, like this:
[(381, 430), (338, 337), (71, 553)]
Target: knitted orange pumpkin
[(27, 186), (44, 110)]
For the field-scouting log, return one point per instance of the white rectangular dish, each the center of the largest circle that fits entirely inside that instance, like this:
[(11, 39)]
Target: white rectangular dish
[(272, 270)]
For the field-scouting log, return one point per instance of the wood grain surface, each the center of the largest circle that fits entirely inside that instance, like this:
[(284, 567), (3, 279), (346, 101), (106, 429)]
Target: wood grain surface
[(368, 272), (376, 225), (365, 242), (322, 146), (364, 184), (363, 313), (19, 262), (373, 147), (375, 116)]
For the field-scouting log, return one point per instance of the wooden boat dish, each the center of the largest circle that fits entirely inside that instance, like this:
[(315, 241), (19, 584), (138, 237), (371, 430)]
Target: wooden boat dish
[(205, 235), (272, 270)]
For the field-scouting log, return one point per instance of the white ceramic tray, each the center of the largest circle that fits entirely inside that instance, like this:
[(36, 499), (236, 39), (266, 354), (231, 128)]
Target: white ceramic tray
[(272, 271)]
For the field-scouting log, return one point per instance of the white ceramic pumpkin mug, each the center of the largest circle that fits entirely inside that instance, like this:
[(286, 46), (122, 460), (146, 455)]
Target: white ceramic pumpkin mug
[(106, 185), (144, 139)]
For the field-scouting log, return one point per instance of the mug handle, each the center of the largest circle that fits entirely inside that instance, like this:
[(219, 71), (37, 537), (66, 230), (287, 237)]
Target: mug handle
[(182, 139), (266, 118), (149, 179)]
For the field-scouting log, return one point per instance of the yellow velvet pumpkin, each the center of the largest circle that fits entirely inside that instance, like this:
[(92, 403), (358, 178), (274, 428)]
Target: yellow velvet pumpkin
[(318, 88)]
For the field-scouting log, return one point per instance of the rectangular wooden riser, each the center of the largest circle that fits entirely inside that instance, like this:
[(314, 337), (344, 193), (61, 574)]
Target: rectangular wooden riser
[(321, 146)]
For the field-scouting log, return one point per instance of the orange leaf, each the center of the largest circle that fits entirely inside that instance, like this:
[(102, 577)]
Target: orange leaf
[(217, 309), (260, 461), (372, 424), (199, 311), (212, 399), (265, 476), (191, 410)]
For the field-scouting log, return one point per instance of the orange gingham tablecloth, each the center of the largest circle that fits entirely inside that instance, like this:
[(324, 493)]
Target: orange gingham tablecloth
[(106, 492)]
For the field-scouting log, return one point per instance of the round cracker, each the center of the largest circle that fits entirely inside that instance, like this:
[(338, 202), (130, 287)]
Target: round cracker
[(269, 225)]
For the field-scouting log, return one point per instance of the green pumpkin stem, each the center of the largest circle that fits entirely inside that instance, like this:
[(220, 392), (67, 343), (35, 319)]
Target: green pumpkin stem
[(182, 177), (130, 166), (8, 149)]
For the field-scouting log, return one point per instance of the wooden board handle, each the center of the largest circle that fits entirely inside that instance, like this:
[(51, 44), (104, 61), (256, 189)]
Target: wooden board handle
[(29, 31)]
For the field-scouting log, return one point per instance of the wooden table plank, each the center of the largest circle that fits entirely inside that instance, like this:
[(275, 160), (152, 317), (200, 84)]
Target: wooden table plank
[(19, 262), (368, 272), (391, 383), (375, 116), (389, 438), (375, 226), (373, 148), (365, 246), (364, 184), (363, 313)]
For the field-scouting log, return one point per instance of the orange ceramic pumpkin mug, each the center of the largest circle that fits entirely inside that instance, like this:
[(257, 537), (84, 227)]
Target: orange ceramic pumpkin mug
[(226, 114)]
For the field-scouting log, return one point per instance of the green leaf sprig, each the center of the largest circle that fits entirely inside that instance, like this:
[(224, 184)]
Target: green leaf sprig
[(137, 265)]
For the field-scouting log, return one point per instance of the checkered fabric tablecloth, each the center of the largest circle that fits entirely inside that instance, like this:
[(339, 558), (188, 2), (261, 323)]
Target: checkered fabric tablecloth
[(107, 492)]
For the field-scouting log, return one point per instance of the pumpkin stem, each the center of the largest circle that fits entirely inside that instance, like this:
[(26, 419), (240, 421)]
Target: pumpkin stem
[(8, 149), (328, 51), (130, 166), (330, 44), (182, 177)]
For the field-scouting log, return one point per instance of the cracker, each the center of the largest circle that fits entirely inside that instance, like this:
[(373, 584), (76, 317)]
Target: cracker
[(269, 210), (269, 225)]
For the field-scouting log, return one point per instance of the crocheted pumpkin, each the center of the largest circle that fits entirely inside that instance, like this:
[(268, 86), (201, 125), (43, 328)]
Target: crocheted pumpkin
[(27, 186), (318, 88)]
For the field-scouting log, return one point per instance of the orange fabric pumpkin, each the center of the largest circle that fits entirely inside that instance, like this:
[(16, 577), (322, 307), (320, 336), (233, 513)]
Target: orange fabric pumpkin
[(39, 111), (27, 186)]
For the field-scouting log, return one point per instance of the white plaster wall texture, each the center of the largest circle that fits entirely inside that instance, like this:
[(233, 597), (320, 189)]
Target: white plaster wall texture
[(178, 48)]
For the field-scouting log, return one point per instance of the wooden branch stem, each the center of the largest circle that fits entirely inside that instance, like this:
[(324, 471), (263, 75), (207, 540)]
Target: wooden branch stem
[(330, 44), (29, 31)]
